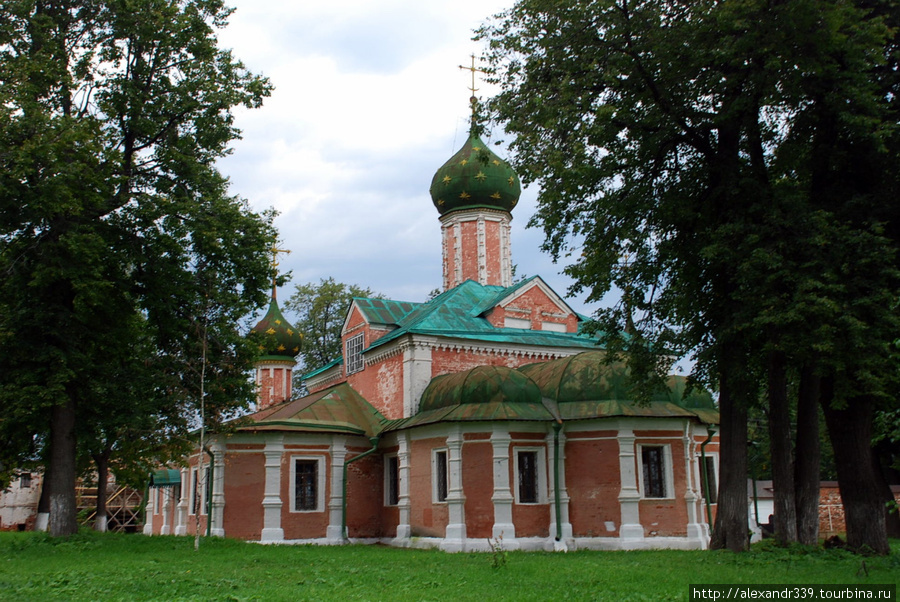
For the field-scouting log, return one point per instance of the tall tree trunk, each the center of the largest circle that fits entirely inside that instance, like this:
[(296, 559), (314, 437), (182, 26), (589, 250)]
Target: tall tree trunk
[(102, 462), (782, 454), (807, 455), (891, 516), (850, 430), (731, 530), (61, 482)]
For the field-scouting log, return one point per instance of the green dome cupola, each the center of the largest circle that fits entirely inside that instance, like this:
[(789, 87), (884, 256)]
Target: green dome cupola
[(475, 177), (278, 339)]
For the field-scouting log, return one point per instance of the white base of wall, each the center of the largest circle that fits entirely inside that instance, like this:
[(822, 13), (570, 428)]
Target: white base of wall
[(530, 544)]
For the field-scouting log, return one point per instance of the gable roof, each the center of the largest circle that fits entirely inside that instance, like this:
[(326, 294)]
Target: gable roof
[(459, 313)]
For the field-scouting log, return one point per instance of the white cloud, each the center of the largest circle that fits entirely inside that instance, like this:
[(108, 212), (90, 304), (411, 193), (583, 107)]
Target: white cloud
[(369, 101)]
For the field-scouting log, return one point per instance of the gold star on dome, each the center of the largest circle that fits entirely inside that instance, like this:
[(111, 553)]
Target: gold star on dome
[(281, 348), (511, 180), (480, 176), (463, 162), (278, 321), (464, 195), (290, 332), (270, 331), (476, 148), (496, 161), (496, 195), (446, 179), (440, 202)]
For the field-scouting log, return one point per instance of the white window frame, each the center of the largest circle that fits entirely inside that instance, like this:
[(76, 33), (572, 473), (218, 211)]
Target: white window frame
[(353, 358), (553, 326), (714, 456), (387, 480), (668, 478), (542, 486), (523, 323), (434, 474), (320, 483)]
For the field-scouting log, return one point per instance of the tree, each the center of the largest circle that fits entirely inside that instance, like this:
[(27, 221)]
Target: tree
[(321, 309), (698, 140), (114, 222)]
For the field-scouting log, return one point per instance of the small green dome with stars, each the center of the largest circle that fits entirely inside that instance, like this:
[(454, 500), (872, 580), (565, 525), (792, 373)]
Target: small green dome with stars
[(278, 339), (475, 178)]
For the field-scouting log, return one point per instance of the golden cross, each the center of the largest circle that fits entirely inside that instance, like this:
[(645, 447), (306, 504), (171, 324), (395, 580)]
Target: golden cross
[(275, 251), (473, 69)]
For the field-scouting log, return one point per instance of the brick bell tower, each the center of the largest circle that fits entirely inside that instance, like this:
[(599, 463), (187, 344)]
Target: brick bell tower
[(279, 344), (475, 192)]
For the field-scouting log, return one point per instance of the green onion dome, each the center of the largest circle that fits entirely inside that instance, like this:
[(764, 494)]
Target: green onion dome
[(277, 338), (474, 178)]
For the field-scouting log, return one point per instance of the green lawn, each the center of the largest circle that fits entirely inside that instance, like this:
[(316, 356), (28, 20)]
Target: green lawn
[(134, 567)]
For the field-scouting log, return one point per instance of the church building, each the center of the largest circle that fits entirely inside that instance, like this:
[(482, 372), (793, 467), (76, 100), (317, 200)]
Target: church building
[(483, 415)]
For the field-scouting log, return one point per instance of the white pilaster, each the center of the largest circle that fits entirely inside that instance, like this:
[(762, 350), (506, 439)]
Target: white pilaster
[(455, 536), (181, 511), (416, 374), (272, 503), (502, 496), (217, 525), (404, 503), (505, 253), (166, 507), (148, 511), (482, 250), (334, 532), (629, 495)]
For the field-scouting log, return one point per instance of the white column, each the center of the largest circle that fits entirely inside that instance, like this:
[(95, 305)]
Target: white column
[(272, 503), (482, 250), (335, 501), (565, 526), (181, 512), (696, 529), (502, 496), (166, 505), (505, 253), (455, 535), (217, 526), (148, 510), (416, 375), (404, 503), (629, 496)]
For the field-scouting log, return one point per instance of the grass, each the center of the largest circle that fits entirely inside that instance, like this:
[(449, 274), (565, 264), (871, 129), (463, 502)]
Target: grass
[(91, 566)]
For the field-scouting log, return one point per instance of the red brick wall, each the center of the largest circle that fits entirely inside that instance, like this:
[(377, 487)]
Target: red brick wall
[(245, 485), (665, 517), (478, 486), (365, 495), (592, 481), (426, 519)]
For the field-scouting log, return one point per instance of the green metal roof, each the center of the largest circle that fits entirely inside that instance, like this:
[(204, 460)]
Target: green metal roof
[(336, 409), (166, 477), (458, 313), (587, 386), (384, 311)]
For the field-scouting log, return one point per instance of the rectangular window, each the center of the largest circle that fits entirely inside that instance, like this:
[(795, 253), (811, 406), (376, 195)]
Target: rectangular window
[(306, 484), (353, 353), (517, 323), (653, 471), (391, 481), (25, 480), (440, 475), (528, 477), (708, 475)]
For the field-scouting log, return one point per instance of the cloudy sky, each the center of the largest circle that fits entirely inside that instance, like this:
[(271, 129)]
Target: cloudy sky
[(369, 102)]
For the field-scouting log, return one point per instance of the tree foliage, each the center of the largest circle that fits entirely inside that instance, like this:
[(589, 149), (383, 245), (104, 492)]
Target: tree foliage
[(731, 167), (320, 310), (119, 242)]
